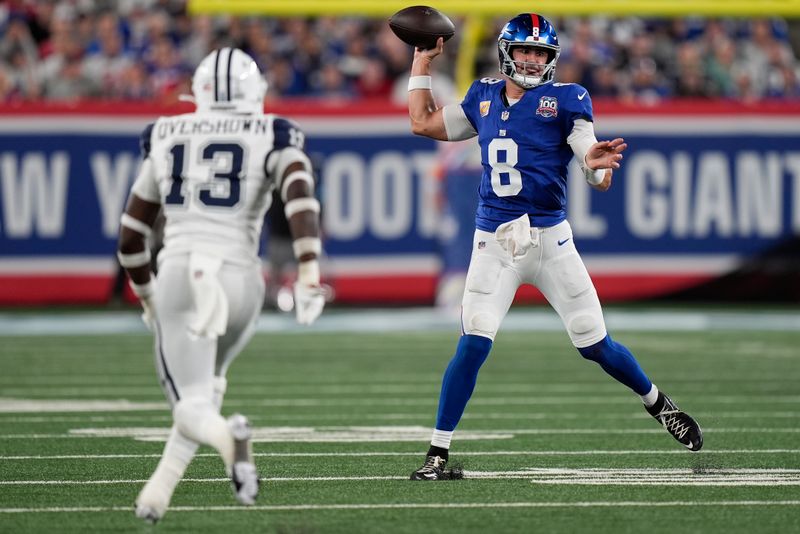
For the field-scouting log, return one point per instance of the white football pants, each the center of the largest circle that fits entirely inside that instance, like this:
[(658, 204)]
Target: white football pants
[(187, 363), (552, 264)]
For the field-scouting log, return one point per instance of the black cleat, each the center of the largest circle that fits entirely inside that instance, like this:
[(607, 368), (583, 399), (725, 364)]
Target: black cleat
[(678, 423), (432, 469)]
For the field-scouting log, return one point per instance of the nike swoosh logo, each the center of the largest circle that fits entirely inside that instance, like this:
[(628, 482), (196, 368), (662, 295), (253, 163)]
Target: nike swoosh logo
[(580, 97), (563, 241)]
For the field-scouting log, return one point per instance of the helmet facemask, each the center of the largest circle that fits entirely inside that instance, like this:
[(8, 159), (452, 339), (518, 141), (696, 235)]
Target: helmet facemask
[(527, 74), (229, 80)]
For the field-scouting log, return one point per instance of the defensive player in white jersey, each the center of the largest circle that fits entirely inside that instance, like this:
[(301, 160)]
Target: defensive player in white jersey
[(212, 172), (528, 129)]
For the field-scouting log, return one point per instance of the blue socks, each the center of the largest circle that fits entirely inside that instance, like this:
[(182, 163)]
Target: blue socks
[(462, 373), (617, 360), (459, 379)]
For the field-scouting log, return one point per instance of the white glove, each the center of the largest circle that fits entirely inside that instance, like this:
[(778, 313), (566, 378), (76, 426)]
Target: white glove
[(146, 294), (308, 302), (309, 297)]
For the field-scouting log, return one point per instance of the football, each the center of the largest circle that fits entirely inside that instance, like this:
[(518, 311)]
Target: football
[(421, 26)]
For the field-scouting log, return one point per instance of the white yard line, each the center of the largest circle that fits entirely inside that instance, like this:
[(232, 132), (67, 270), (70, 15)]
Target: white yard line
[(397, 416), (394, 453), (390, 506), (548, 475), (160, 434), (715, 430), (130, 396), (522, 400), (11, 404)]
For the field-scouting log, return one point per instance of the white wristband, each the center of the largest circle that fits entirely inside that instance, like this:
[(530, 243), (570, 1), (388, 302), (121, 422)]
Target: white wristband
[(419, 82), (308, 272), (136, 259), (306, 245), (297, 205)]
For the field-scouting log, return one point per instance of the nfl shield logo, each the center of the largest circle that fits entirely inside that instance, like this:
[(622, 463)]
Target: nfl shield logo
[(481, 244), (504, 116), (548, 107)]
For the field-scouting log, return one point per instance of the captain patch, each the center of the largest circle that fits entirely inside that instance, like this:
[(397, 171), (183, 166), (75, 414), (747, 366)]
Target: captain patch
[(484, 107)]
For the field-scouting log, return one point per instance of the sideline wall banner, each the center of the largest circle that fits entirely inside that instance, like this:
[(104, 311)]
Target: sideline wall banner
[(702, 188)]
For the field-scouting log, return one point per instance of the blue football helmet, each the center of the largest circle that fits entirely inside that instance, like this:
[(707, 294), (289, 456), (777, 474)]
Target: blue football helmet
[(528, 29)]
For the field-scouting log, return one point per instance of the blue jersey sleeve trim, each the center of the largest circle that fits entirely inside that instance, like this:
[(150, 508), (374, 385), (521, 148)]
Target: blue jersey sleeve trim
[(144, 140), (287, 133)]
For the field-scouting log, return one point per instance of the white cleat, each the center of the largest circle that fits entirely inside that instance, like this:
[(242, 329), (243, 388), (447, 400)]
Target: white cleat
[(152, 502), (150, 513), (244, 476)]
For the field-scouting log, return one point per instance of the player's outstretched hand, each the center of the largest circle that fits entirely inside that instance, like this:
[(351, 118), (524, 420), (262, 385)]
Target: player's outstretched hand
[(308, 302), (606, 154), (429, 54)]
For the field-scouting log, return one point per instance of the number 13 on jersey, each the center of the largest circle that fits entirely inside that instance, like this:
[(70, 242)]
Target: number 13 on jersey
[(227, 179)]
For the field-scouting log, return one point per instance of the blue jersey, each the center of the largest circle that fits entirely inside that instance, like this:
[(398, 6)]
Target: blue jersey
[(524, 150)]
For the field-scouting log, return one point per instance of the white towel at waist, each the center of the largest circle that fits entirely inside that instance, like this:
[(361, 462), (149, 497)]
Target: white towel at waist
[(210, 302), (516, 236)]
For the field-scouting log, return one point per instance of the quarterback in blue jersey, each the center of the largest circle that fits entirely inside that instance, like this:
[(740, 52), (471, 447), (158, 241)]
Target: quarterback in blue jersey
[(528, 128)]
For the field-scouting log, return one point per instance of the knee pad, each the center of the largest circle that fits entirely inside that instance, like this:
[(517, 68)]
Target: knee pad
[(586, 327), (480, 323)]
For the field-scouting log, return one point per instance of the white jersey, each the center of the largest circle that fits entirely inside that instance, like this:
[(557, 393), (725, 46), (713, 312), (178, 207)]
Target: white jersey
[(213, 173)]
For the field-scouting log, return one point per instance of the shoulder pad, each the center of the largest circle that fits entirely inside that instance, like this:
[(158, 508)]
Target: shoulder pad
[(287, 133), (144, 140)]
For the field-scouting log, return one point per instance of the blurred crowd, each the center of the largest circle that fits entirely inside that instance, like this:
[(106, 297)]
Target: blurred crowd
[(146, 50)]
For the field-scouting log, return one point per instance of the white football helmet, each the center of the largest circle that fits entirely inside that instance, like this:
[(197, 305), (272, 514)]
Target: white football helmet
[(229, 80)]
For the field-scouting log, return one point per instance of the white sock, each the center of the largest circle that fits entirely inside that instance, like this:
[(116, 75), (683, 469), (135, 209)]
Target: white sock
[(651, 397), (441, 438), (178, 453)]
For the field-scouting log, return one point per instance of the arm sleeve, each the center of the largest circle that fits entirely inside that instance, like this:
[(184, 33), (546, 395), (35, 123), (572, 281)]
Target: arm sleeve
[(457, 124), (580, 139)]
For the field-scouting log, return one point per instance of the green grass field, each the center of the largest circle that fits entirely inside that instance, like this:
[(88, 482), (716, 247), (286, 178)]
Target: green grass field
[(549, 442)]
